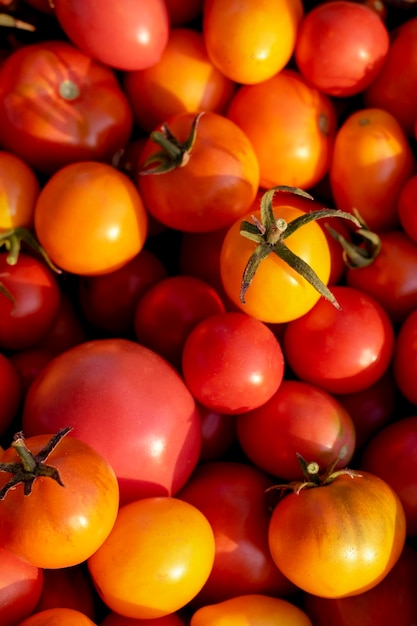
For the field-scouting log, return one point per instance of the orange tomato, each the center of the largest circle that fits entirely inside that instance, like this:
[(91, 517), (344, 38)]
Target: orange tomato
[(256, 610), (58, 617), (19, 189), (251, 40), (156, 559), (160, 91), (291, 126), (372, 159), (90, 218)]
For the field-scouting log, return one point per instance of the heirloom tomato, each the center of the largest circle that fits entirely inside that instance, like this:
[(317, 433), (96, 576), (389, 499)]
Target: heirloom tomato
[(19, 189), (21, 586)]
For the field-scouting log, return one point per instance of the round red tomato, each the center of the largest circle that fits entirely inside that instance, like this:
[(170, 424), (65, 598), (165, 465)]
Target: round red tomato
[(21, 586), (68, 587), (404, 364), (407, 199)]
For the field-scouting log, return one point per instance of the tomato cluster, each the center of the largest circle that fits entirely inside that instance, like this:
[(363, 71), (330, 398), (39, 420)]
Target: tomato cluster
[(208, 313)]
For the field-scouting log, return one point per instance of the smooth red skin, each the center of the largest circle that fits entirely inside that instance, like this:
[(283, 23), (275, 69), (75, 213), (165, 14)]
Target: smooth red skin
[(341, 47), (232, 362), (109, 301), (392, 601), (342, 351), (272, 435), (391, 279), (218, 433), (49, 131), (406, 207), (11, 391), (68, 587), (131, 36), (20, 588), (391, 454), (129, 404), (232, 497), (404, 363), (169, 310), (37, 300), (114, 619)]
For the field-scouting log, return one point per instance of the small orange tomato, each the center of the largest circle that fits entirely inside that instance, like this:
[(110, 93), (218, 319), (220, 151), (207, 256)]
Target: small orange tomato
[(372, 159), (156, 559), (251, 40), (19, 189), (254, 609), (90, 218), (58, 617)]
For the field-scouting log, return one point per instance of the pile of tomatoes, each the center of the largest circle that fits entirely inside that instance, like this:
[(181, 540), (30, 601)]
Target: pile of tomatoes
[(208, 313)]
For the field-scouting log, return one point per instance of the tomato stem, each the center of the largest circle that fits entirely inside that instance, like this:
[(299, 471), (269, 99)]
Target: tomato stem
[(364, 251)]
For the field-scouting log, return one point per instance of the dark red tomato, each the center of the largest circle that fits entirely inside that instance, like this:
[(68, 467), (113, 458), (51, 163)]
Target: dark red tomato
[(11, 391), (170, 309), (20, 588), (218, 433), (392, 455), (272, 435), (128, 39), (109, 301), (391, 279), (341, 47), (68, 329), (232, 362), (392, 601), (406, 207), (36, 293), (128, 403), (232, 497), (67, 587), (58, 106), (342, 351), (29, 363), (404, 365), (183, 11)]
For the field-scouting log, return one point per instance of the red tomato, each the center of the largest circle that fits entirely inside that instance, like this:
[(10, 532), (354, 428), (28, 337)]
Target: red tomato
[(341, 47), (224, 371), (11, 391), (68, 329), (405, 358), (218, 433), (58, 617), (19, 189), (58, 106), (128, 39), (232, 497), (272, 435), (362, 333), (29, 363), (67, 587), (127, 402), (406, 207), (20, 588)]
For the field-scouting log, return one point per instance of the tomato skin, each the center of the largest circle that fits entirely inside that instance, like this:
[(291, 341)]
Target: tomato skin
[(406, 207), (107, 204), (183, 11), (371, 141), (54, 526), (218, 433), (362, 332), (11, 391), (70, 588), (289, 113), (58, 617), (340, 539), (127, 40), (250, 41), (225, 372), (95, 387), (19, 189), (20, 588), (163, 565), (277, 293), (353, 44), (273, 434), (115, 619), (42, 121)]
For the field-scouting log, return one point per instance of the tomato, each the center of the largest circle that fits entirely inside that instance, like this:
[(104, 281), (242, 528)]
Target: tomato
[(58, 106), (254, 609), (127, 402), (20, 588), (232, 362), (19, 189), (404, 365), (115, 619), (272, 435), (341, 351), (232, 497), (57, 525), (57, 617), (183, 11), (394, 89), (213, 183), (391, 601), (372, 159), (68, 329), (341, 47), (164, 563), (69, 588), (11, 391), (251, 41), (289, 113), (131, 39), (200, 86), (406, 207), (340, 538), (218, 433), (90, 218), (390, 454), (169, 310), (28, 364), (36, 293)]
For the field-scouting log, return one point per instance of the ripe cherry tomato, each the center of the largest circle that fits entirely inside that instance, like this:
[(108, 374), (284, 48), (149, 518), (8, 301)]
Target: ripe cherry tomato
[(58, 106), (90, 218), (58, 617), (57, 525), (156, 559), (19, 189), (289, 113), (251, 41), (11, 391), (131, 39), (341, 47), (21, 585)]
